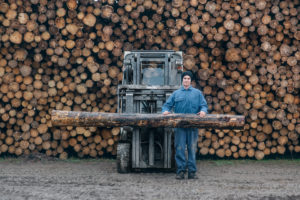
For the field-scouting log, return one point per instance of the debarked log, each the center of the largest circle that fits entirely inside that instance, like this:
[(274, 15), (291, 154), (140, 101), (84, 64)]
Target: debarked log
[(99, 119)]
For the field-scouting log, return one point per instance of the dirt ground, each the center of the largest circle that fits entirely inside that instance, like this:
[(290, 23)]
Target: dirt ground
[(39, 178)]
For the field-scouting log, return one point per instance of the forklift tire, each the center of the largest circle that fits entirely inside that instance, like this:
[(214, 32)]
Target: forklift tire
[(123, 158)]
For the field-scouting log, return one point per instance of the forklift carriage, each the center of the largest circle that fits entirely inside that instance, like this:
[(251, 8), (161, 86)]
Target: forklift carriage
[(149, 78)]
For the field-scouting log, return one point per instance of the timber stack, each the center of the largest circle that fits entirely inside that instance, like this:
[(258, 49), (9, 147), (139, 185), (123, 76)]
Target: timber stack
[(68, 54)]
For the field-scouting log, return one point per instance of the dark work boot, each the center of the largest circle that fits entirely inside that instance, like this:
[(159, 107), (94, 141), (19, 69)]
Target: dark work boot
[(192, 175), (180, 175)]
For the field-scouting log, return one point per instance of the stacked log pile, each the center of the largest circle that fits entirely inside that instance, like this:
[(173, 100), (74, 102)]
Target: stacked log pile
[(67, 55)]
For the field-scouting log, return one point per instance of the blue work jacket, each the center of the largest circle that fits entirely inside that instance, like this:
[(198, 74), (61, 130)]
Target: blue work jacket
[(189, 100)]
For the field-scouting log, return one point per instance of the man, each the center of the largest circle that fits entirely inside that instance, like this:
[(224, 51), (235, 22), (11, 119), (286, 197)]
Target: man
[(186, 100)]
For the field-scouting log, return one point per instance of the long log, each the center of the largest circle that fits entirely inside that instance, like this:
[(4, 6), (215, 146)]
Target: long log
[(99, 119)]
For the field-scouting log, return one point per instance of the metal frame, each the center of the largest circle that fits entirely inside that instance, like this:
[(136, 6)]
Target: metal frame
[(149, 144)]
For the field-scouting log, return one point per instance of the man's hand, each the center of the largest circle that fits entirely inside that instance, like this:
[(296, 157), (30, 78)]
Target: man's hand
[(166, 113), (201, 114)]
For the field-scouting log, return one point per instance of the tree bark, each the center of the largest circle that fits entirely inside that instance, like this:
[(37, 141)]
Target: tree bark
[(73, 118)]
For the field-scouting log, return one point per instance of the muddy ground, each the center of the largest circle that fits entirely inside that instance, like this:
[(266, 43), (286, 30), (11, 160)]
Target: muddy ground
[(38, 178)]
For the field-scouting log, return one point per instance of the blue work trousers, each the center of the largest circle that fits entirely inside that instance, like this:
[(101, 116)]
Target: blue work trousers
[(186, 138)]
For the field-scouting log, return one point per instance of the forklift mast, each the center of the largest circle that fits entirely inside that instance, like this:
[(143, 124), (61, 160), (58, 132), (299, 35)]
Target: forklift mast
[(152, 67), (149, 78)]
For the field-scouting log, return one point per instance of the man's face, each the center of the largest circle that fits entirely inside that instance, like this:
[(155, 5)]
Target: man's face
[(186, 81)]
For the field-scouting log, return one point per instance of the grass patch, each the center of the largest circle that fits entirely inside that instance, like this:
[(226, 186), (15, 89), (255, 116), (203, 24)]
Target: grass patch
[(222, 162), (78, 160), (287, 158), (282, 160), (9, 159)]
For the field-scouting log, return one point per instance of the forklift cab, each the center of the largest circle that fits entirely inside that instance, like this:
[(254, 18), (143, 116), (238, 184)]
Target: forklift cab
[(149, 78)]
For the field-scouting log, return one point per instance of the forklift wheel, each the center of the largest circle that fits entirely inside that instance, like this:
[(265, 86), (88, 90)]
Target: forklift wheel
[(123, 157)]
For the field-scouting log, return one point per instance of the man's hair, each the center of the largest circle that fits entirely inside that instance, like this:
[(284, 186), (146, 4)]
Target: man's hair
[(187, 73)]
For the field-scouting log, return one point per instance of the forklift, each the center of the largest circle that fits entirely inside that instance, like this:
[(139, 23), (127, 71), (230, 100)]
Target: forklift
[(149, 79)]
